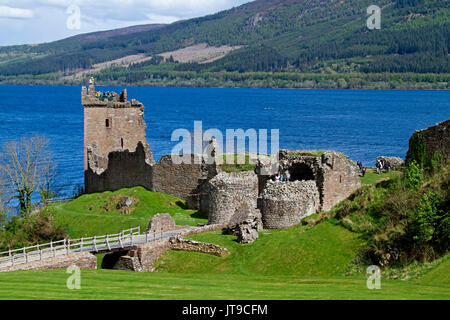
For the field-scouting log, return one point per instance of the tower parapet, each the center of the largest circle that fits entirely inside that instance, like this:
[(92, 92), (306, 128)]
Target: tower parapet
[(92, 98)]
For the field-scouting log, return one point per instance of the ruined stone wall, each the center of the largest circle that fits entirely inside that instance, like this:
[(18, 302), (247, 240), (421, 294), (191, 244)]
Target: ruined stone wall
[(335, 175), (150, 252), (179, 180), (112, 126), (437, 139), (285, 204), (179, 244), (204, 229), (116, 152), (340, 179), (162, 222), (125, 170), (126, 127), (228, 192), (83, 260)]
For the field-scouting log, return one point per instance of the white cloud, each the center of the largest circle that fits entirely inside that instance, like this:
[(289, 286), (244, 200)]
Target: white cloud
[(17, 13)]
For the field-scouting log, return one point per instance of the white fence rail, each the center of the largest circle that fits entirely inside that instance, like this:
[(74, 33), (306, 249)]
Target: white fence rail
[(107, 242)]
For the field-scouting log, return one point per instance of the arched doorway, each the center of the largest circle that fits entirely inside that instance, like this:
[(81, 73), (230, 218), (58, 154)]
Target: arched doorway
[(301, 171)]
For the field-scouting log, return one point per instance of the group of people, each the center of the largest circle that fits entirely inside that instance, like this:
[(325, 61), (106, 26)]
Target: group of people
[(102, 95), (383, 164), (280, 178)]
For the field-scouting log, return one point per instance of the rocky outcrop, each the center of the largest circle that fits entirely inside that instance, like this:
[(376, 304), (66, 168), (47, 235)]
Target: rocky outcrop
[(284, 205)]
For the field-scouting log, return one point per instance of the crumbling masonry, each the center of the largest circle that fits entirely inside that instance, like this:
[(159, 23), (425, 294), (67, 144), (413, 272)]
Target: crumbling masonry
[(117, 156)]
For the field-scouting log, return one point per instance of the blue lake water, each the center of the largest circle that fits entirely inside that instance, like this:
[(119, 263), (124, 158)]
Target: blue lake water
[(361, 123)]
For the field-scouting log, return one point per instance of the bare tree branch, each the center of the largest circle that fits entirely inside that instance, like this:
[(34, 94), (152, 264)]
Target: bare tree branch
[(26, 166)]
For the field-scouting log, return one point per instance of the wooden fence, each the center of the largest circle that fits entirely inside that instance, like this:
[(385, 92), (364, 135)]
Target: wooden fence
[(105, 243)]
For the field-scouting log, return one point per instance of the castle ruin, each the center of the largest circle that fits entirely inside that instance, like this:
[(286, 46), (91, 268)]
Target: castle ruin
[(117, 155)]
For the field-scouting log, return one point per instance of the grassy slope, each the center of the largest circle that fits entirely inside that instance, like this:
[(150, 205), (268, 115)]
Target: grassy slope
[(288, 264), (322, 251), (298, 263), (87, 216)]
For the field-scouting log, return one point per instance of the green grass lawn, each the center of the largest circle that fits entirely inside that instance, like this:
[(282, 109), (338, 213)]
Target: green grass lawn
[(325, 250), (228, 167), (293, 264), (88, 215), (372, 177), (297, 263), (108, 284)]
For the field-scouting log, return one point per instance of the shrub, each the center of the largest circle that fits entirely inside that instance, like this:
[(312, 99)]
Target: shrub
[(414, 176), (38, 227), (405, 219), (426, 217)]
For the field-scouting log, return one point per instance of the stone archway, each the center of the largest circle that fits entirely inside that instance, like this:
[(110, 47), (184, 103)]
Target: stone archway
[(300, 172)]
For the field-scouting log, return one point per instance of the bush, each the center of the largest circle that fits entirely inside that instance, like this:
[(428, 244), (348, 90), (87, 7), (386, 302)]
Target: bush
[(405, 219), (414, 176), (38, 227)]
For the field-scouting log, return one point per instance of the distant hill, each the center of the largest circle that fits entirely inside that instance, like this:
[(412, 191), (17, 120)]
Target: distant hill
[(102, 35), (299, 37)]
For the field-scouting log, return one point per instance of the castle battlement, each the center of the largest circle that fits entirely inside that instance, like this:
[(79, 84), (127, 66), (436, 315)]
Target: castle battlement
[(92, 99)]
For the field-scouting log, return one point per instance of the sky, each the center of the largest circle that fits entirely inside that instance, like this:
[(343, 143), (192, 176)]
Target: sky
[(38, 21)]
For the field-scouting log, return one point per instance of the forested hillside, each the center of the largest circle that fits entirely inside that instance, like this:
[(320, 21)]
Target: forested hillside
[(291, 39)]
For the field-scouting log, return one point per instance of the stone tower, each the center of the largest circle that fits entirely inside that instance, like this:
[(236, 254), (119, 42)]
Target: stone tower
[(112, 125)]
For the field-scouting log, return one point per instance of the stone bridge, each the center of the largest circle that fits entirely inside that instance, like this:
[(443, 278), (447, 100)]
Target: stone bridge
[(142, 249)]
